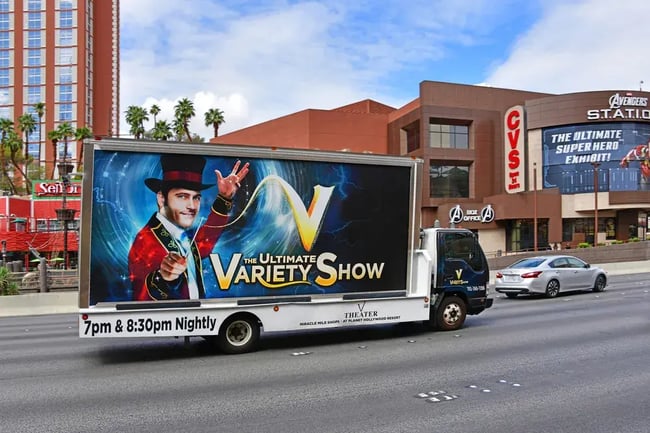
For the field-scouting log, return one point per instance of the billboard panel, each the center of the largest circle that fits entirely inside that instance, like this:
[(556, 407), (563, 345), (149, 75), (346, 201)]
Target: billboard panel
[(620, 151), (294, 227), (515, 151)]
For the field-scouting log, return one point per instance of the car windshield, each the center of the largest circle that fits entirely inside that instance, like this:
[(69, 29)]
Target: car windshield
[(527, 263)]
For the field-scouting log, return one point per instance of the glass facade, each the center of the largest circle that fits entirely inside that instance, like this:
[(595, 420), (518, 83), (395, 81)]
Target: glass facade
[(448, 181), (448, 136)]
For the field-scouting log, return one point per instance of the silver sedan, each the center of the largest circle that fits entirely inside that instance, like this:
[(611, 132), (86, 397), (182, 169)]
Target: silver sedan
[(548, 275)]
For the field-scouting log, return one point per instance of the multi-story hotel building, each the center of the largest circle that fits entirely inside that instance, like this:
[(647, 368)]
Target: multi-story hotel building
[(64, 53), (522, 169)]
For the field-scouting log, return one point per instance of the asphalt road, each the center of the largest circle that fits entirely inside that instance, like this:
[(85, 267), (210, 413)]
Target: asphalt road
[(576, 363)]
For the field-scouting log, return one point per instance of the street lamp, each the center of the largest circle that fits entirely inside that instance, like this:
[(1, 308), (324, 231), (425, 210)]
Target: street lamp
[(595, 165), (535, 206), (64, 214)]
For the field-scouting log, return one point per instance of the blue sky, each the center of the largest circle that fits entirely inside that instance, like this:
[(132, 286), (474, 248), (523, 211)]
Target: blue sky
[(258, 60)]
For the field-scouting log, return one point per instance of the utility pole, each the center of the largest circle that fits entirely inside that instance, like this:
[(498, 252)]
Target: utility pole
[(595, 165)]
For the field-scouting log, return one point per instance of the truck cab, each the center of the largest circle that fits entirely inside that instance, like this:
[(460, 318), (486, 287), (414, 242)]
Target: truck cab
[(459, 276)]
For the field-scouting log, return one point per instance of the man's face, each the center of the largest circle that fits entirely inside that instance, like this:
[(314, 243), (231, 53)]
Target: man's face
[(181, 206)]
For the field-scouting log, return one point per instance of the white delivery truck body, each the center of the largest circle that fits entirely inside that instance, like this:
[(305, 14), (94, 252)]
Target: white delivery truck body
[(307, 240)]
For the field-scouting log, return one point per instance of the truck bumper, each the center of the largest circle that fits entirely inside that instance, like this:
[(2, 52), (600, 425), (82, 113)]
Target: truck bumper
[(477, 305)]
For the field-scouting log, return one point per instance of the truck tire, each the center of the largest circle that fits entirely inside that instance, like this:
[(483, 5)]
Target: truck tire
[(451, 314), (239, 334)]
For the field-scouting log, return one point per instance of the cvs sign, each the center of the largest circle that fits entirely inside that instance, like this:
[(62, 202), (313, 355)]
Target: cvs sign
[(514, 149)]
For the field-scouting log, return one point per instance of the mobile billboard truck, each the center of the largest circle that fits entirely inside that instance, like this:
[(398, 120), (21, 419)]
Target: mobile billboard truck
[(216, 241)]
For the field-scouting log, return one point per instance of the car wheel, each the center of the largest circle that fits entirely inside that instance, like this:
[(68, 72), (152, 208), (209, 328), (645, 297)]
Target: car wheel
[(451, 314), (552, 288), (512, 295), (600, 283), (239, 334)]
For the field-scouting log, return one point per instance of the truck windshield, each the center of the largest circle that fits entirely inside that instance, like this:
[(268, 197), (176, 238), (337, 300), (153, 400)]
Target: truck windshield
[(464, 246)]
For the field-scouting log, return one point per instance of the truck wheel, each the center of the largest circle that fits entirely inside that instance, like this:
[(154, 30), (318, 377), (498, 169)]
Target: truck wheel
[(451, 314), (600, 284), (552, 288), (239, 334)]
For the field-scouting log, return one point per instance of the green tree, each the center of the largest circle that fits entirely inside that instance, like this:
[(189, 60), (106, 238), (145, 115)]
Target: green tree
[(80, 134), (178, 129), (27, 125), (15, 146), (39, 109), (154, 111), (7, 287), (162, 131), (6, 127), (183, 113), (135, 117), (54, 137), (214, 117)]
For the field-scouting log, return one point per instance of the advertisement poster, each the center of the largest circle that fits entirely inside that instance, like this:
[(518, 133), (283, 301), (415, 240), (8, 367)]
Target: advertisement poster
[(620, 151), (258, 227)]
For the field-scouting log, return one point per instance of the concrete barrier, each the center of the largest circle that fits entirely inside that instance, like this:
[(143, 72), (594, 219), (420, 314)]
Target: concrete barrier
[(39, 303)]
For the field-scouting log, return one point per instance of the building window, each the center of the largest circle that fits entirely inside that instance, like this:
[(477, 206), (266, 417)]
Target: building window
[(65, 93), (34, 76), (34, 39), (34, 95), (65, 75), (4, 5), (449, 136), (4, 59), (34, 58), (65, 4), (4, 21), (65, 18), (65, 112), (448, 181), (411, 135), (4, 77), (34, 20), (4, 41), (65, 37), (34, 5), (65, 56)]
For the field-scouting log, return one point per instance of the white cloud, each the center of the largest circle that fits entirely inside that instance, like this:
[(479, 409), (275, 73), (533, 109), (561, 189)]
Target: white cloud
[(581, 46), (258, 61)]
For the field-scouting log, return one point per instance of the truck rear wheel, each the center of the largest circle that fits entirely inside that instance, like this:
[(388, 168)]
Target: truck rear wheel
[(239, 334), (451, 313)]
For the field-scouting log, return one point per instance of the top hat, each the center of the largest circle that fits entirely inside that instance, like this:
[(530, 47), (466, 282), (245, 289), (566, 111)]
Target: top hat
[(179, 171)]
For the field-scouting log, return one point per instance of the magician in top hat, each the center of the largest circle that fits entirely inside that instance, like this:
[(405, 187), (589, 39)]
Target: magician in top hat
[(165, 257)]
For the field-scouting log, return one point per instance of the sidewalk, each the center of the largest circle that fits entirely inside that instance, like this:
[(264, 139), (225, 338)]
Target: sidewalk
[(67, 302)]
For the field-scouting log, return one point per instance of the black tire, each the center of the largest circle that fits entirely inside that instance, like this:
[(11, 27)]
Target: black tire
[(512, 295), (552, 288), (451, 314), (600, 283), (239, 334)]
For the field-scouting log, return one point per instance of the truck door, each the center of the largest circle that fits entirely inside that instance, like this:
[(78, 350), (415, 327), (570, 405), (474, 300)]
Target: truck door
[(461, 264)]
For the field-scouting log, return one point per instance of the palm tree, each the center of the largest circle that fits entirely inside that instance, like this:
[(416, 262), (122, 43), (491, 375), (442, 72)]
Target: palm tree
[(183, 112), (178, 130), (214, 117), (15, 145), (80, 134), (27, 125), (39, 109), (162, 131), (54, 137), (135, 117), (6, 127), (154, 111)]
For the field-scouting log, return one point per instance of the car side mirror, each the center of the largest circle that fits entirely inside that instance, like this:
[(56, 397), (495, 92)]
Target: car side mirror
[(587, 265)]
